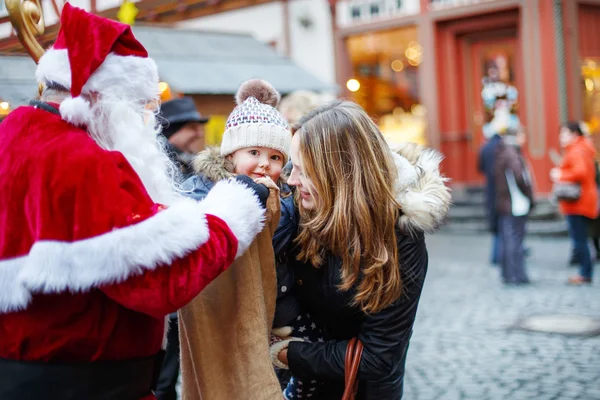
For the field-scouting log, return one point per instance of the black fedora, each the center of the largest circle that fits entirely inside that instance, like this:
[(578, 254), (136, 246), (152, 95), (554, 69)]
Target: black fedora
[(178, 112)]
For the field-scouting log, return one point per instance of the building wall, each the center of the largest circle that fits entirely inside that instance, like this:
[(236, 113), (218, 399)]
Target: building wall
[(311, 47), (218, 107), (454, 33), (264, 22), (543, 100)]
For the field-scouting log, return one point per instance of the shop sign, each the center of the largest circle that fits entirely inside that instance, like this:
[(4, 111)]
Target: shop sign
[(356, 12), (441, 4)]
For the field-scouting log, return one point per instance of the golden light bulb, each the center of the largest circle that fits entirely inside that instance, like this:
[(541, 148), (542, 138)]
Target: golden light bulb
[(397, 65), (162, 86), (353, 85)]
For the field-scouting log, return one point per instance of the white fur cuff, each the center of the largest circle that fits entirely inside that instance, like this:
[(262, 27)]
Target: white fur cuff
[(282, 332), (239, 207), (55, 266), (277, 347)]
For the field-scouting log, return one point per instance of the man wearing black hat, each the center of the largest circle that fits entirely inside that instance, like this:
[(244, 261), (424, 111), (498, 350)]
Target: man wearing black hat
[(183, 127)]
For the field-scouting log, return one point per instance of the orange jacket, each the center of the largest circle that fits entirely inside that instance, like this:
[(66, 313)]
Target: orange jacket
[(578, 167)]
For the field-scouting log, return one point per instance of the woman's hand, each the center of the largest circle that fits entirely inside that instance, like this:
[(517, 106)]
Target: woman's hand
[(555, 174), (282, 356)]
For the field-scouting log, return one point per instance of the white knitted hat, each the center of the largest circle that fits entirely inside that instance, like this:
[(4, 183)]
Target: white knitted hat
[(255, 122)]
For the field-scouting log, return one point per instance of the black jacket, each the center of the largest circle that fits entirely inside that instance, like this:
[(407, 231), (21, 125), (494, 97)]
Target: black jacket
[(424, 197), (487, 166), (510, 163), (385, 335)]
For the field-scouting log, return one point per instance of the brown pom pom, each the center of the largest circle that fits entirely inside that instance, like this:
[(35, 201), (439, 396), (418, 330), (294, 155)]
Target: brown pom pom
[(260, 90)]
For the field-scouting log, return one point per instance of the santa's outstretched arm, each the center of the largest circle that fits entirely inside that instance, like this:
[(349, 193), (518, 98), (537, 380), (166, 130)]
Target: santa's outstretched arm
[(102, 231), (167, 288)]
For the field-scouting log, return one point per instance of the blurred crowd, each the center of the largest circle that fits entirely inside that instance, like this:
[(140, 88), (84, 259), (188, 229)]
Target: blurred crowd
[(509, 195)]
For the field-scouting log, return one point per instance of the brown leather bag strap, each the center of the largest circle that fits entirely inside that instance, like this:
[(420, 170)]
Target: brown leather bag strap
[(352, 363), (349, 356)]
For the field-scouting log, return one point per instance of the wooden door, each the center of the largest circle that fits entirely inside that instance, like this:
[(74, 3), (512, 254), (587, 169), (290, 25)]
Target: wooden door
[(464, 46), (494, 63)]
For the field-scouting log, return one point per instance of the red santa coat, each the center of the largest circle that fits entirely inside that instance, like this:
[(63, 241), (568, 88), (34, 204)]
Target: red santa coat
[(89, 264)]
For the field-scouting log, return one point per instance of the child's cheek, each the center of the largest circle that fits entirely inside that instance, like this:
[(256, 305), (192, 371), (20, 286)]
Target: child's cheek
[(275, 173)]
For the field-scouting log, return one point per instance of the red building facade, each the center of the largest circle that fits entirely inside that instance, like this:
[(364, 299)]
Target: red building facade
[(548, 50)]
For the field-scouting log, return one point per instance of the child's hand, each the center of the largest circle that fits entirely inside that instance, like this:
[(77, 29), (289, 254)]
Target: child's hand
[(273, 201), (268, 182)]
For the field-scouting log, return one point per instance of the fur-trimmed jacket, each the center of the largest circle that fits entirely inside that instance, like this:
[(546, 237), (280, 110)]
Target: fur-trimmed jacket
[(210, 167), (424, 198), (224, 332)]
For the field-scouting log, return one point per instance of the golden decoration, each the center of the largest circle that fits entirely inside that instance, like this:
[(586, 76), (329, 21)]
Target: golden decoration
[(4, 108), (27, 19), (127, 13)]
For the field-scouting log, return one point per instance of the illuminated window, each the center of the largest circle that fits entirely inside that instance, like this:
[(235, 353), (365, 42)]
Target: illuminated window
[(590, 81), (385, 81)]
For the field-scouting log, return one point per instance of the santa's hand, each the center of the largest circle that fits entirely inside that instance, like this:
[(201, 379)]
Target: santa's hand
[(262, 192)]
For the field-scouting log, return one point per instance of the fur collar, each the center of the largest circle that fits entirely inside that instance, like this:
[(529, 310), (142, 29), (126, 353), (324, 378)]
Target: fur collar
[(212, 165), (421, 189)]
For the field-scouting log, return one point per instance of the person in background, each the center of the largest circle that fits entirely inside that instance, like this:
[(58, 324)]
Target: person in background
[(183, 127), (594, 225), (486, 165), (299, 103), (578, 167), (514, 200)]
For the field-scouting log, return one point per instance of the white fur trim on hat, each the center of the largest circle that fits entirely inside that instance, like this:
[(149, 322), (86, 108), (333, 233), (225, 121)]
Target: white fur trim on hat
[(256, 135), (277, 347), (76, 111), (128, 77)]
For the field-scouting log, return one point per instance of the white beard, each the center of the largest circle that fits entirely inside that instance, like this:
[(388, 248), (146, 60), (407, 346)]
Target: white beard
[(130, 129)]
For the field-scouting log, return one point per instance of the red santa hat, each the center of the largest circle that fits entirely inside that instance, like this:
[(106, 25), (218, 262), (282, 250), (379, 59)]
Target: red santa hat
[(96, 55)]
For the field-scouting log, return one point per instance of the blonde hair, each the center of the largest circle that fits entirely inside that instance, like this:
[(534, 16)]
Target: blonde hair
[(353, 173), (297, 104)]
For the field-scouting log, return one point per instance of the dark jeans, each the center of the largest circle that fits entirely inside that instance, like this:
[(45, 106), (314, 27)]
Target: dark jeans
[(578, 232), (496, 248), (512, 235), (165, 389)]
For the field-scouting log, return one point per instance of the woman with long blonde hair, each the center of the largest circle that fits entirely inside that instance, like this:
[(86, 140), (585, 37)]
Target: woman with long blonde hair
[(360, 257)]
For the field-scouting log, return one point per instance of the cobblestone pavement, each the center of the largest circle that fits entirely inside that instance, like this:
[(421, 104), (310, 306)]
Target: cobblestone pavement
[(464, 347)]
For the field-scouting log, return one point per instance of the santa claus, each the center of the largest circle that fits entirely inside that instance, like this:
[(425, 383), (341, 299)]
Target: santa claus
[(96, 246)]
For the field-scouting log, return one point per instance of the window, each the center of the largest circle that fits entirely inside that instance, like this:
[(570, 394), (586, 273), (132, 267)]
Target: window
[(385, 81), (590, 80)]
